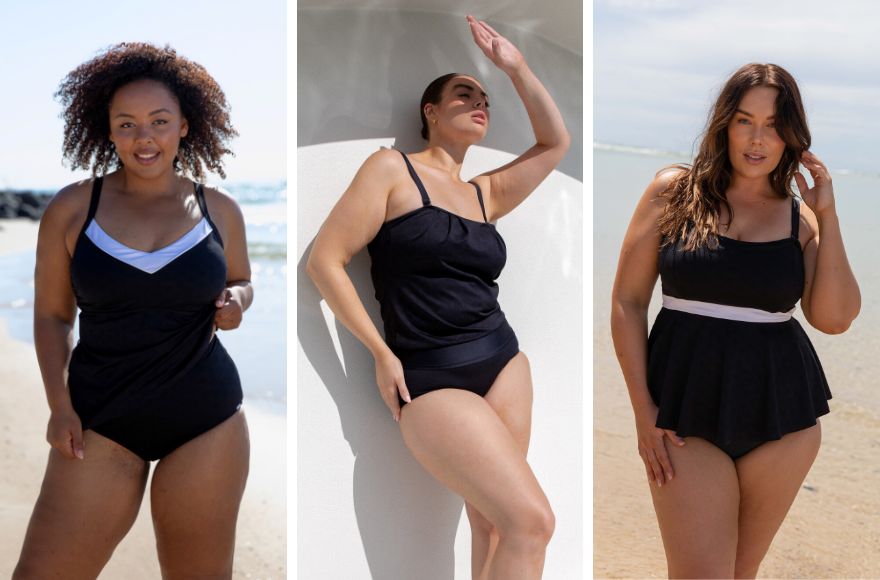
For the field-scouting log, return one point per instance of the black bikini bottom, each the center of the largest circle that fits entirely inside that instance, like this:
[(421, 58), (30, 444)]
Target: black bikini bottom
[(472, 366)]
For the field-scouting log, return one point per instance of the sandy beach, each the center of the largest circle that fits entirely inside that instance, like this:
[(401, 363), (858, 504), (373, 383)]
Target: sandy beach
[(833, 528), (261, 534)]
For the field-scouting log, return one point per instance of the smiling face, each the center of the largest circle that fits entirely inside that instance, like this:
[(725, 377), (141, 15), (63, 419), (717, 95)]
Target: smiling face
[(146, 126), (462, 113), (754, 146)]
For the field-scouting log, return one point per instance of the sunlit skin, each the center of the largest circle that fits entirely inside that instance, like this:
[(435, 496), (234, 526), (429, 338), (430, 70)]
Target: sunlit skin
[(462, 115), (718, 516), (146, 127), (754, 147), (476, 446), (93, 487)]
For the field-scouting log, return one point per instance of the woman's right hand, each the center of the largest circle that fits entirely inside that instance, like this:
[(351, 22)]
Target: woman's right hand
[(389, 377), (652, 446), (65, 434)]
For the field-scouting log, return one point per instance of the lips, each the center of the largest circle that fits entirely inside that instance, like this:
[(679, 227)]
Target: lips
[(754, 158), (146, 157), (479, 117)]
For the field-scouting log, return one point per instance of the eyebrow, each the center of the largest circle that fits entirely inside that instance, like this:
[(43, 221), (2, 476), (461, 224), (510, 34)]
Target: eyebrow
[(151, 113), (468, 87), (747, 114)]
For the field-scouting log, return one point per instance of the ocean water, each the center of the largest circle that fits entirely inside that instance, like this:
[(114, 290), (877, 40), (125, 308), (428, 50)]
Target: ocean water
[(850, 360), (258, 346)]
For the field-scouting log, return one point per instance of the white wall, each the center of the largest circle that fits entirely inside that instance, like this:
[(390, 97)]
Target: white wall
[(366, 508), (361, 75)]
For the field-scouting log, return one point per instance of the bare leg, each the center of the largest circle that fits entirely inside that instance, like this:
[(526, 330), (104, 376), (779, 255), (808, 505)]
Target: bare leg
[(769, 478), (461, 441), (84, 509), (195, 494), (511, 398), (698, 511)]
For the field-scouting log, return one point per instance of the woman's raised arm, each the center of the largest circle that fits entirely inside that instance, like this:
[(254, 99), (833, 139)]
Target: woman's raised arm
[(510, 185), (831, 298)]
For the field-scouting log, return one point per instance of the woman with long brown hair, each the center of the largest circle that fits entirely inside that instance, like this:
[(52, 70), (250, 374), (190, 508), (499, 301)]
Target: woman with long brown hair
[(727, 389), (449, 366)]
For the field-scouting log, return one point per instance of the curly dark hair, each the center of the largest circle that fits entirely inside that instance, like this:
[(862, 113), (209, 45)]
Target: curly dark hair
[(86, 92)]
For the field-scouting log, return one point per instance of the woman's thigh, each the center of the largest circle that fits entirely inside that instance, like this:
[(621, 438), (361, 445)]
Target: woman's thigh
[(698, 510), (195, 494), (85, 507), (511, 398), (769, 479), (461, 440)]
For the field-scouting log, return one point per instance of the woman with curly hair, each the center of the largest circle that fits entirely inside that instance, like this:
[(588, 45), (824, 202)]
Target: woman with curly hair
[(449, 367), (156, 262), (727, 389)]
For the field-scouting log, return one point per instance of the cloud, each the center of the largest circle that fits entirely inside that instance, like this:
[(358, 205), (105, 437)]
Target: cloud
[(671, 57)]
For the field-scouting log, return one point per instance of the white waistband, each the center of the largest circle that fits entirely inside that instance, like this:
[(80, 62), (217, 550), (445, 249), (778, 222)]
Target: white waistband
[(724, 311)]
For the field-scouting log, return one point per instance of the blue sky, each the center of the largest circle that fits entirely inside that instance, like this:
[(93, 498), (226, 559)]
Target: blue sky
[(242, 44), (658, 65)]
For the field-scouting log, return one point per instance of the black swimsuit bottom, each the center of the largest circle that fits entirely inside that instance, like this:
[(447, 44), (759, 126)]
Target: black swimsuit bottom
[(735, 383), (434, 273), (147, 371)]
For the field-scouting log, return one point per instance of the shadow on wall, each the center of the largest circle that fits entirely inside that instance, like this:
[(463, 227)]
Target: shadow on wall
[(362, 73), (407, 521)]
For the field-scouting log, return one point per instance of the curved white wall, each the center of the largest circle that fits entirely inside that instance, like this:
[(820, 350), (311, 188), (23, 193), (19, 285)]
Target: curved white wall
[(361, 74), (366, 509)]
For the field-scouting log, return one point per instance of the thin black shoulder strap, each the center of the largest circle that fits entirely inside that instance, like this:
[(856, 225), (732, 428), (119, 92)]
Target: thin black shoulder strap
[(412, 173), (93, 203), (480, 197), (96, 197), (203, 206), (795, 216)]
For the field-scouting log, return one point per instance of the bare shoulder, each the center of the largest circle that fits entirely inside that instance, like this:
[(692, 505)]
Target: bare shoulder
[(70, 205), (221, 203), (664, 178), (385, 159), (809, 225), (225, 213), (653, 201), (377, 177), (485, 183), (385, 166)]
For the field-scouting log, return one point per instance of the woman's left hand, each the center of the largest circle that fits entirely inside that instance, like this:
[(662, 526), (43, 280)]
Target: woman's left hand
[(229, 311), (497, 48), (820, 197)]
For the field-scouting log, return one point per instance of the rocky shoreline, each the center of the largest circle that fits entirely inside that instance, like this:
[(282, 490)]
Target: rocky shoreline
[(23, 204)]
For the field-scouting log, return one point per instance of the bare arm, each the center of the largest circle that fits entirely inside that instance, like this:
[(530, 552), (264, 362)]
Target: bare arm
[(633, 285), (510, 185), (239, 293), (352, 223), (54, 317), (831, 298)]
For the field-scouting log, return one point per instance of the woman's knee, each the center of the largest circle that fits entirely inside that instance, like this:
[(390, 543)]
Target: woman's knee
[(534, 524)]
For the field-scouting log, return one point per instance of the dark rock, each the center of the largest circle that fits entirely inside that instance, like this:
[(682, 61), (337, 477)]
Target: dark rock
[(23, 204)]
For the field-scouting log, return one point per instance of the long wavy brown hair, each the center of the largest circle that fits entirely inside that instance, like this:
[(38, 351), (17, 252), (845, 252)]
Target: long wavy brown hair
[(695, 195)]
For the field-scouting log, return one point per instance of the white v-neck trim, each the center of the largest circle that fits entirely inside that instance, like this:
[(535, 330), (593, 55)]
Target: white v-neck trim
[(150, 262)]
